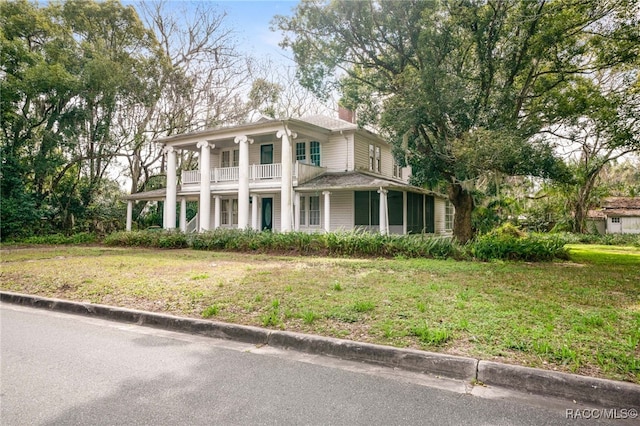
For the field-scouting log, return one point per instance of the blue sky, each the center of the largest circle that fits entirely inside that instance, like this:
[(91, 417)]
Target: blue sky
[(249, 20)]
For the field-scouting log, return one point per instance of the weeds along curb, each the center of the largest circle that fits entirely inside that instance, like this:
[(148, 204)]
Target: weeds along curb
[(607, 393), (582, 389)]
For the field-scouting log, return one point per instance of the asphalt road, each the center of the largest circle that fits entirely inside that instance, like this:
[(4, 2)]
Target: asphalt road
[(65, 369)]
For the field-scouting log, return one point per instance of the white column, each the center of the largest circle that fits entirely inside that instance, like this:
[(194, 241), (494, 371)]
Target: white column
[(254, 212), (170, 199), (384, 229), (183, 214), (296, 208), (287, 179), (129, 214), (216, 211), (404, 212), (243, 183), (204, 208), (164, 214), (327, 210)]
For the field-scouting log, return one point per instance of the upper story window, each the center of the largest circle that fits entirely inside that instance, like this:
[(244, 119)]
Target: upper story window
[(371, 158), (397, 170), (230, 158), (314, 153), (301, 151), (375, 162)]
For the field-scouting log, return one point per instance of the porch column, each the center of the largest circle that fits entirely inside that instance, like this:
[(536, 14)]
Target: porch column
[(129, 214), (254, 212), (384, 228), (216, 211), (183, 214), (327, 210), (170, 199), (287, 178), (204, 208), (243, 181), (296, 211), (404, 212)]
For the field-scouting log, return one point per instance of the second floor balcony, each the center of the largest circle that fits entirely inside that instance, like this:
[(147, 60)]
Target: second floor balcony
[(257, 173)]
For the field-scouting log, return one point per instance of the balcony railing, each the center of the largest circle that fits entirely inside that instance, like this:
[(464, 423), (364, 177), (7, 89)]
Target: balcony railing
[(232, 174)]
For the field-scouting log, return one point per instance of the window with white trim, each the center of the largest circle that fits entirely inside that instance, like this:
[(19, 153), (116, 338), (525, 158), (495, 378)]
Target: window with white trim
[(229, 211), (230, 158), (309, 210), (397, 169), (234, 211), (615, 220), (303, 210), (314, 153), (449, 213), (371, 158), (378, 160), (314, 210), (224, 212), (301, 151)]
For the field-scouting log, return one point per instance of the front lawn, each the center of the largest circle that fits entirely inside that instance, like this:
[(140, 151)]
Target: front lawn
[(580, 316)]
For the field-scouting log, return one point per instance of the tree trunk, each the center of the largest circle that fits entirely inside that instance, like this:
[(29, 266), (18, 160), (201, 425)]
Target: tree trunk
[(463, 203)]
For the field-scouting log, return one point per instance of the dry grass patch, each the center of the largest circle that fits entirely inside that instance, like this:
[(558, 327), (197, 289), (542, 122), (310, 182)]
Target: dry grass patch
[(580, 319)]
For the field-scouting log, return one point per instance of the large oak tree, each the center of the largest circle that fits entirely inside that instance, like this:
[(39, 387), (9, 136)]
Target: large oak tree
[(460, 87)]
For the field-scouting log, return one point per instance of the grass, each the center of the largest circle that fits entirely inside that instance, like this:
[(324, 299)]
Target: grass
[(580, 316)]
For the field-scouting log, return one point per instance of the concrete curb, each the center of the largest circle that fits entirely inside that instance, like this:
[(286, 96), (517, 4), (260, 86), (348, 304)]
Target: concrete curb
[(586, 390), (607, 393)]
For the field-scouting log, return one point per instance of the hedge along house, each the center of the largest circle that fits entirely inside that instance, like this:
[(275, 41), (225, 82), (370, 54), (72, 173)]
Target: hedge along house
[(312, 174)]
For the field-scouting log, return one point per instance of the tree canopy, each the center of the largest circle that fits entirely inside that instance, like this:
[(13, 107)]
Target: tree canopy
[(462, 88)]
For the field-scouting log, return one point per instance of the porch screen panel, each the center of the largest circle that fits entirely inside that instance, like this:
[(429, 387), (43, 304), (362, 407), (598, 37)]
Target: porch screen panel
[(429, 214), (361, 208), (394, 207), (375, 208), (367, 208), (415, 213)]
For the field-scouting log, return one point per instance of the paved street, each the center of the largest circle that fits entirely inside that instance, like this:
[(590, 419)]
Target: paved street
[(66, 369)]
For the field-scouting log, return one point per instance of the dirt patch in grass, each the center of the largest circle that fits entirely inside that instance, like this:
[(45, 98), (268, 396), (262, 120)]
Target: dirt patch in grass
[(581, 317)]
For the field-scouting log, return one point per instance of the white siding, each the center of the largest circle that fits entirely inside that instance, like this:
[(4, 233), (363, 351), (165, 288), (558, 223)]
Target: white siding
[(630, 225), (276, 210), (341, 211), (386, 160), (336, 154), (215, 159), (438, 213), (361, 153)]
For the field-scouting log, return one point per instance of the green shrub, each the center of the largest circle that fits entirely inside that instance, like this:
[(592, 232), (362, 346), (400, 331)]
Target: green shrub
[(158, 239), (59, 239), (509, 243)]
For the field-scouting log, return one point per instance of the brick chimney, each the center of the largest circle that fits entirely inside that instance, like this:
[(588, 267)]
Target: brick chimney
[(346, 114)]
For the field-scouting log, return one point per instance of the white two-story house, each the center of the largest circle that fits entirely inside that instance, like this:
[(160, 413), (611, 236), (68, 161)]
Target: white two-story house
[(313, 174)]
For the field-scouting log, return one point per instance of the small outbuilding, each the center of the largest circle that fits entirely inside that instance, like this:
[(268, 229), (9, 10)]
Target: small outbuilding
[(618, 215)]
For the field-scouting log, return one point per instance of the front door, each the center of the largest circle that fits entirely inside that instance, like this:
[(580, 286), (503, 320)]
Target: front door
[(267, 214)]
